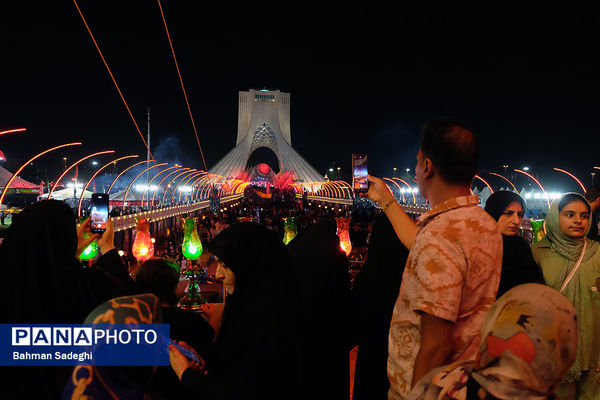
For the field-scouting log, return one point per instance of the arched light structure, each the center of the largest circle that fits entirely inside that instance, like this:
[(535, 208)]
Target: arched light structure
[(487, 184), (163, 179), (12, 178), (196, 184), (125, 170), (13, 131), (155, 176), (189, 171), (572, 176), (96, 174), (347, 186), (536, 181), (192, 174), (409, 188), (73, 166), (137, 176), (399, 188), (186, 182), (506, 179)]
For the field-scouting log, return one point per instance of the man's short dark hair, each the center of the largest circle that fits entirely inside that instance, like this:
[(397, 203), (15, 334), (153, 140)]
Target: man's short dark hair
[(593, 192), (453, 149)]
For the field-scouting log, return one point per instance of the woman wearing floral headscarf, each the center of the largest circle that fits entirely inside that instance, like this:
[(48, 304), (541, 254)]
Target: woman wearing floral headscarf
[(126, 382), (529, 341), (571, 264)]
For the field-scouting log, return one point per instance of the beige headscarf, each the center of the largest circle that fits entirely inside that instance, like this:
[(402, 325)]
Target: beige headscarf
[(562, 244), (529, 341)]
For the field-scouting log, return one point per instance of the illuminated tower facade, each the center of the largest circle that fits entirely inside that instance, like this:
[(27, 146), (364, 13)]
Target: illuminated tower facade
[(264, 121)]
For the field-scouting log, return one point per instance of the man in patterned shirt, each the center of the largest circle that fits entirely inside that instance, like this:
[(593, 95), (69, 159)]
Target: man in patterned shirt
[(453, 269)]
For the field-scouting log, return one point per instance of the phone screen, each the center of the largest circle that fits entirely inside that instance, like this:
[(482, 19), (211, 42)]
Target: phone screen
[(99, 212), (360, 173)]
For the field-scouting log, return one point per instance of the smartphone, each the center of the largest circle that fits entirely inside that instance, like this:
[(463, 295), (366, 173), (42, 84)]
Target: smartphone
[(99, 213), (360, 173), (188, 353)]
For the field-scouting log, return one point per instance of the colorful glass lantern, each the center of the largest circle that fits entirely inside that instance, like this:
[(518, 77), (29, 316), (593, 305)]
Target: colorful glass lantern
[(537, 226), (192, 246), (91, 251), (343, 226), (143, 248), (290, 228)]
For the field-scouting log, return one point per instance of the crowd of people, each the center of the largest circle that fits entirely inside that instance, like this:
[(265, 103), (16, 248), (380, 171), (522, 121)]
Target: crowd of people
[(454, 305)]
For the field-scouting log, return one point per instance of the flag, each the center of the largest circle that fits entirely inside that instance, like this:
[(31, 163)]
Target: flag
[(2, 157)]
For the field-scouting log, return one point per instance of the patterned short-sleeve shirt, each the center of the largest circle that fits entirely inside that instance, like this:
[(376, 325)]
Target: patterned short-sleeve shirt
[(452, 272)]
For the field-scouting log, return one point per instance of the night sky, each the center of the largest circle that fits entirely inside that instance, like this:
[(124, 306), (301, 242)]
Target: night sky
[(362, 79)]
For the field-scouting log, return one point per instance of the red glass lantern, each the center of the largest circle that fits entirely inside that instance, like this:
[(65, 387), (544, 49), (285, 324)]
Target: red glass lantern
[(343, 226), (143, 248)]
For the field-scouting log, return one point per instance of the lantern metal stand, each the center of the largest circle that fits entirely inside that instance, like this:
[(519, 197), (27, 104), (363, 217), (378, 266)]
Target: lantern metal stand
[(192, 250)]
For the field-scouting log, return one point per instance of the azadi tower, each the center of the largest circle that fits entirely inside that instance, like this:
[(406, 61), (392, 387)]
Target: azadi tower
[(264, 121)]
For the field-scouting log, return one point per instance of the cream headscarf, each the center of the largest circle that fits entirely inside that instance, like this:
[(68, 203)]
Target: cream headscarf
[(562, 244)]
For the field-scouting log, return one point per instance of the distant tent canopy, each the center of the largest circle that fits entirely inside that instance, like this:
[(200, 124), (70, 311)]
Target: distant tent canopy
[(18, 185), (65, 194)]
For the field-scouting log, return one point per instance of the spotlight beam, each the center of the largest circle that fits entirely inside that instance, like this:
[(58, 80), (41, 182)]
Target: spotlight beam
[(113, 78)]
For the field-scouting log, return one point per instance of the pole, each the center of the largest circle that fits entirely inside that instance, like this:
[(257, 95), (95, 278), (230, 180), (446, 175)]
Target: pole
[(148, 153)]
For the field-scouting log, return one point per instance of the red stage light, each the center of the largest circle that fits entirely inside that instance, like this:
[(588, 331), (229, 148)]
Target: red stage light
[(264, 169)]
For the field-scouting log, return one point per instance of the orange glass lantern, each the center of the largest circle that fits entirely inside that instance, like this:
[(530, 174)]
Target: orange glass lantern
[(343, 226), (143, 248)]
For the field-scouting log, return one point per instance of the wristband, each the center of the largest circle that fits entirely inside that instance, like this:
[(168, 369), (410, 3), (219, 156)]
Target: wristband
[(389, 203)]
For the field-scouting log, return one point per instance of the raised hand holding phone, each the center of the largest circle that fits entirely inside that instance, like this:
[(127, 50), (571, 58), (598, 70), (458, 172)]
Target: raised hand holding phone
[(360, 172), (99, 212)]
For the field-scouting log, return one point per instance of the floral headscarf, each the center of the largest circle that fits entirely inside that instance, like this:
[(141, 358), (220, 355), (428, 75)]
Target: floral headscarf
[(529, 341), (123, 383)]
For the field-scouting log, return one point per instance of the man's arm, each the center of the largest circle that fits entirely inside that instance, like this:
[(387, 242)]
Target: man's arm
[(404, 226), (436, 345)]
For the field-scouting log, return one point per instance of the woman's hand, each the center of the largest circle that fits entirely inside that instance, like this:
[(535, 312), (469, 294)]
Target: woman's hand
[(180, 363), (378, 191), (82, 242), (107, 241)]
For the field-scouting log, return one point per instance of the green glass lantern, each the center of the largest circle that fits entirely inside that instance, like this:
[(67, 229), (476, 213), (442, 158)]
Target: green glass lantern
[(290, 228), (192, 246), (538, 230), (91, 251)]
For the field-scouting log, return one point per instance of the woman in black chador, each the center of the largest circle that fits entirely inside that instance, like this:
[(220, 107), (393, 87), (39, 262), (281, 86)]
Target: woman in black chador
[(43, 282), (375, 292), (256, 353), (518, 266), (321, 273)]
